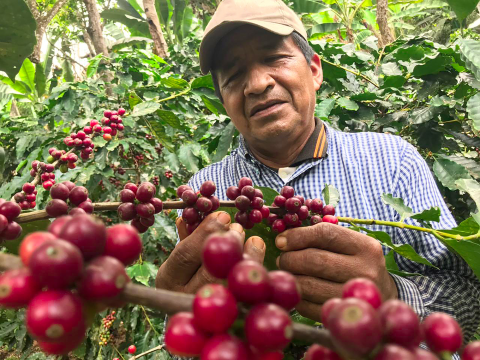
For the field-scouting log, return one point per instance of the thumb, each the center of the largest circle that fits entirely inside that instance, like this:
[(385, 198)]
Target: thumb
[(255, 248)]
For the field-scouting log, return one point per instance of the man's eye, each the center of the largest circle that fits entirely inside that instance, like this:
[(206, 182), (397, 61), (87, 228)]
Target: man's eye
[(233, 77), (274, 58)]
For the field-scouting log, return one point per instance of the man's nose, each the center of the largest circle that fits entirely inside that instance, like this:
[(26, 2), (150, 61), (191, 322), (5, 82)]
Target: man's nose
[(258, 80)]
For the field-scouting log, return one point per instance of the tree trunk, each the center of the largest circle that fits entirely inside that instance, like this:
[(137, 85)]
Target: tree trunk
[(42, 23), (159, 43), (382, 21), (96, 27)]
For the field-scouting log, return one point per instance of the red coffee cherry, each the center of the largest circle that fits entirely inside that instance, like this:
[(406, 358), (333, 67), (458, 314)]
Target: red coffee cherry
[(315, 219), (279, 226), (244, 181), (283, 289), (279, 200), (145, 210), (242, 203), (17, 288), (123, 243), (56, 207), (401, 325), (103, 279), (293, 204), (28, 188), (421, 354), (139, 226), (225, 347), (328, 210), (203, 204), (121, 111), (268, 327), (442, 333), (394, 352), (70, 185), (183, 337), (316, 206), (248, 282), (78, 195), (147, 221), (145, 192), (287, 192), (221, 252), (233, 192), (327, 307), (64, 347), (318, 352), (131, 186), (132, 349), (189, 197), (248, 191), (59, 191), (77, 211), (255, 216), (10, 210), (86, 206), (127, 196), (12, 231), (214, 308), (363, 289), (330, 219), (88, 234), (157, 204), (127, 211), (471, 351), (55, 315), (56, 226), (355, 325), (181, 189), (31, 242), (56, 264), (208, 188), (257, 203)]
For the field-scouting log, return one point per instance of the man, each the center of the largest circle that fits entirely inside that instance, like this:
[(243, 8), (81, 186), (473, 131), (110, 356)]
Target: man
[(266, 76)]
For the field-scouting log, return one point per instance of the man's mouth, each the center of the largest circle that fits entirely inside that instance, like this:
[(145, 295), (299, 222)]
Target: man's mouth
[(262, 107)]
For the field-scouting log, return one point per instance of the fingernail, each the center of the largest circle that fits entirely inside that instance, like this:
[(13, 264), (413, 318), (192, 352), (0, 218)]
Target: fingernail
[(281, 242), (224, 218), (258, 243)]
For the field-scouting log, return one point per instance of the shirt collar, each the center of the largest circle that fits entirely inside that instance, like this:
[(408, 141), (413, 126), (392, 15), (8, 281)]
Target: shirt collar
[(315, 148)]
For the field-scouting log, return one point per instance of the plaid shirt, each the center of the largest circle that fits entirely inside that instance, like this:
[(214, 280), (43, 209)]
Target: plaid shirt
[(363, 166)]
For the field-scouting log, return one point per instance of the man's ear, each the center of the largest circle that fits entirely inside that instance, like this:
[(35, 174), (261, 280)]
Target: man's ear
[(317, 71)]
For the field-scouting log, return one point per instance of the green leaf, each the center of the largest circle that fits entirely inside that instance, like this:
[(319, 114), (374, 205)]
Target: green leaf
[(123, 16), (468, 250), (185, 155), (172, 160), (178, 11), (17, 36), (135, 40), (40, 80), (142, 272), (398, 205), (433, 66), (27, 74), (347, 104), (432, 214), (145, 108), (130, 8), (324, 109), (393, 81), (225, 142), (324, 28), (17, 85), (466, 228), (23, 144), (462, 8), (469, 164), (470, 53), (391, 69), (448, 172), (473, 109), (331, 195), (174, 83), (424, 114), (93, 65), (2, 160), (67, 71), (203, 81), (133, 100), (472, 187), (214, 106), (187, 21), (163, 11), (405, 250), (169, 118), (308, 7), (392, 266)]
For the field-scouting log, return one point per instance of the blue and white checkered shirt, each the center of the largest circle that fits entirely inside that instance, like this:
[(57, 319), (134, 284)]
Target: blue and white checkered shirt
[(363, 166)]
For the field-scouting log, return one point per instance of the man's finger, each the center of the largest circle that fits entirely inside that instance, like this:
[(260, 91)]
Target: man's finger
[(186, 258), (255, 248), (201, 277), (317, 290), (310, 310), (319, 263), (181, 228), (324, 236), (239, 229)]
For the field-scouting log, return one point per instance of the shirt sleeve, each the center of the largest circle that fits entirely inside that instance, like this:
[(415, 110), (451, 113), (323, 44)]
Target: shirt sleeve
[(454, 288)]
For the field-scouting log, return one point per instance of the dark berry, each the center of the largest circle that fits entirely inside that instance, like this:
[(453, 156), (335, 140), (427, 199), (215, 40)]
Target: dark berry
[(189, 197), (394, 352), (327, 307), (279, 200), (257, 203), (127, 196), (255, 216), (76, 212), (3, 223), (126, 211), (10, 210), (290, 219), (123, 243), (139, 226), (183, 337), (208, 188), (318, 352), (12, 231), (283, 289), (258, 193), (248, 191), (59, 191), (328, 210), (292, 204), (244, 181), (181, 189), (265, 212), (145, 210), (471, 351), (70, 185), (303, 213), (242, 203), (28, 188), (56, 226), (279, 226), (147, 221), (215, 202), (78, 195), (316, 206), (233, 192), (203, 204), (56, 208), (241, 217), (145, 192), (190, 215), (315, 219), (287, 192)]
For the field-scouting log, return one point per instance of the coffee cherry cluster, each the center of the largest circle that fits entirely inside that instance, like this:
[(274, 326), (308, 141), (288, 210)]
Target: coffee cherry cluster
[(299, 212), (269, 296), (26, 198), (365, 327), (168, 174), (106, 333), (55, 155), (71, 272), (9, 229), (249, 202), (46, 173), (82, 142), (77, 197), (112, 122), (199, 204), (140, 205)]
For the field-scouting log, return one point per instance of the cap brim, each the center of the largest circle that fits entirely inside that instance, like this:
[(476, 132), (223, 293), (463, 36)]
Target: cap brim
[(209, 42)]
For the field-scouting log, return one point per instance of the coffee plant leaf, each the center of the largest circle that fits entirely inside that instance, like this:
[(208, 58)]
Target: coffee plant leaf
[(465, 228), (398, 205), (225, 142), (27, 74), (471, 187), (473, 108), (139, 26), (432, 214), (392, 266), (470, 54), (324, 108), (347, 104), (17, 27), (468, 250), (405, 250), (93, 65), (331, 196), (203, 81), (308, 7), (142, 273), (145, 108), (462, 8), (448, 172), (169, 118)]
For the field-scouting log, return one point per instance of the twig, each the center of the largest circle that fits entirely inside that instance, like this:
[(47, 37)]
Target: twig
[(118, 352), (148, 319), (66, 55), (353, 72), (135, 357)]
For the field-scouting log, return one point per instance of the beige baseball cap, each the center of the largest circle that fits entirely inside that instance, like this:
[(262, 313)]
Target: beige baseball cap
[(271, 15)]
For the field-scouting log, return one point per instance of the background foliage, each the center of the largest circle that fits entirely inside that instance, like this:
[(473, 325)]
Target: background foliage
[(423, 87)]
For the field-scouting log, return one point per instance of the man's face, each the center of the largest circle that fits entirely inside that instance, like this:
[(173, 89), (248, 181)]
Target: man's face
[(267, 86)]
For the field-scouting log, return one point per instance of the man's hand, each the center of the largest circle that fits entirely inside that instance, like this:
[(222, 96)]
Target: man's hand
[(325, 256), (183, 270)]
